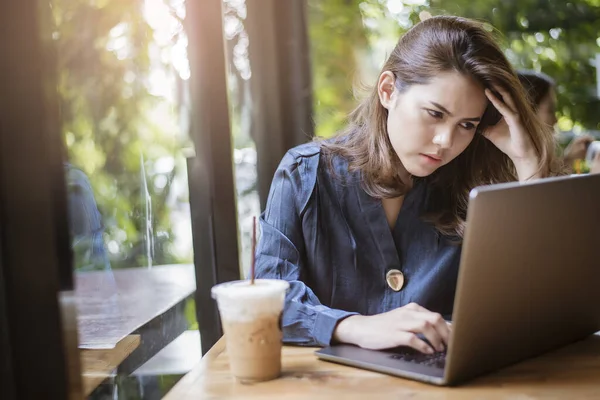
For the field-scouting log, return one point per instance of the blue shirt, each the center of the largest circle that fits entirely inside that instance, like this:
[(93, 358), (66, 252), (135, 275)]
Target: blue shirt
[(331, 240)]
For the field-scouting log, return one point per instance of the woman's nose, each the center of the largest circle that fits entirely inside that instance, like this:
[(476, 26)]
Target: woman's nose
[(444, 137)]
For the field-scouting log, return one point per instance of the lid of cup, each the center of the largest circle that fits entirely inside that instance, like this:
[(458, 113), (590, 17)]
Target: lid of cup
[(243, 289)]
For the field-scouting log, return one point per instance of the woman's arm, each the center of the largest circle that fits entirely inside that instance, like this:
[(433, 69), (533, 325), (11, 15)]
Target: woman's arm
[(281, 252)]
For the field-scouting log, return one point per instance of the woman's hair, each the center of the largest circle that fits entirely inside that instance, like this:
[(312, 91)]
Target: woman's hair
[(436, 45), (536, 84)]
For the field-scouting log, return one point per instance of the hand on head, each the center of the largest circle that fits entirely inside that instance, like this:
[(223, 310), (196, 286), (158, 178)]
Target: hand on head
[(510, 136)]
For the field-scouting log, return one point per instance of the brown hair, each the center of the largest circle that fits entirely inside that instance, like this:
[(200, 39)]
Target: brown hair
[(536, 84), (437, 45)]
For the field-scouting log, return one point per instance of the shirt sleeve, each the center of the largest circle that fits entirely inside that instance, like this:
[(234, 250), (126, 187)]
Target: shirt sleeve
[(281, 253)]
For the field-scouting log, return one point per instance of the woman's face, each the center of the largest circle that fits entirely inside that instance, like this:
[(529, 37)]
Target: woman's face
[(547, 108), (430, 125)]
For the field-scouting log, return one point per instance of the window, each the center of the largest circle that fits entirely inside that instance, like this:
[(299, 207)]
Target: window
[(122, 83)]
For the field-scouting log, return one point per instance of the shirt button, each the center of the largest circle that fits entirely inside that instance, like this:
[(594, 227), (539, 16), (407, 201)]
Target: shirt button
[(395, 279)]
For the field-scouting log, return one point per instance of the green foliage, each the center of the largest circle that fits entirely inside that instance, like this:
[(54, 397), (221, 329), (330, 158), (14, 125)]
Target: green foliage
[(349, 41), (114, 127), (336, 36), (190, 314)]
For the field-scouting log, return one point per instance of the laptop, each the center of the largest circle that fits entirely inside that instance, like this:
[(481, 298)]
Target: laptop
[(529, 282)]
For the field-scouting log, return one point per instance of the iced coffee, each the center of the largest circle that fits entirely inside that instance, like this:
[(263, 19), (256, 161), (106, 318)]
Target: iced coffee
[(251, 318)]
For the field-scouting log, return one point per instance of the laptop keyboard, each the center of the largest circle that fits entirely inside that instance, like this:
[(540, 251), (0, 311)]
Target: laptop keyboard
[(436, 360)]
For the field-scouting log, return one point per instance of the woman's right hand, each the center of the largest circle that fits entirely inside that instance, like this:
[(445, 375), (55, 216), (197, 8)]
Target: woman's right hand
[(395, 328)]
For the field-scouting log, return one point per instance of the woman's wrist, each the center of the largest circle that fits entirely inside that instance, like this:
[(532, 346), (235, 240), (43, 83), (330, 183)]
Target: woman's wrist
[(528, 168), (346, 330)]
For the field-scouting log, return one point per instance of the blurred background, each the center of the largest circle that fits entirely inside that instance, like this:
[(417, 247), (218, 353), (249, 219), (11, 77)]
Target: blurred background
[(123, 83)]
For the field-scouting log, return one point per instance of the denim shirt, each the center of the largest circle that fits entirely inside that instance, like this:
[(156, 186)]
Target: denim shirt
[(331, 240)]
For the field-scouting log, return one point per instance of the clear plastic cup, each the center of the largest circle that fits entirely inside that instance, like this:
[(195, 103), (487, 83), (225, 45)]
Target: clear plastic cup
[(251, 318)]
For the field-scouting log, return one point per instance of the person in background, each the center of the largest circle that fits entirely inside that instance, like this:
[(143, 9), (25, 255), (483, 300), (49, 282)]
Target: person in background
[(542, 92), (366, 227), (595, 167), (85, 223)]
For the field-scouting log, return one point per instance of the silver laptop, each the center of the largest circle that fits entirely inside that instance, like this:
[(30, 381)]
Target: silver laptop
[(529, 282)]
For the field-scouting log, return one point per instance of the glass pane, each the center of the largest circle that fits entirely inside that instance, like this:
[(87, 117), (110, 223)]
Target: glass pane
[(122, 76)]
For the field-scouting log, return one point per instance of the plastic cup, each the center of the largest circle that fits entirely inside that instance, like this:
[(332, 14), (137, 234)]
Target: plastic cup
[(251, 318)]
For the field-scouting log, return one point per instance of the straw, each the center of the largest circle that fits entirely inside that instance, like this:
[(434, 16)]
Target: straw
[(253, 251)]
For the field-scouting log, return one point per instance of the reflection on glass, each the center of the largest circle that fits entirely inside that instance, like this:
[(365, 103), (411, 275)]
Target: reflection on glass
[(85, 222), (122, 83)]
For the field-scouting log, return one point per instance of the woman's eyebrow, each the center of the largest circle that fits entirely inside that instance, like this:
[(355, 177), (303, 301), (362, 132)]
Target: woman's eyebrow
[(444, 109)]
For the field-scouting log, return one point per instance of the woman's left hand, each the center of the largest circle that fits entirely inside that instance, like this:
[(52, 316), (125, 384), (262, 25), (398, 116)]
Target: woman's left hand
[(510, 136)]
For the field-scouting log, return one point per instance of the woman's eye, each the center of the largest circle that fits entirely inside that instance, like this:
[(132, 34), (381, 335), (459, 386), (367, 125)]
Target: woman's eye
[(435, 114), (468, 126)]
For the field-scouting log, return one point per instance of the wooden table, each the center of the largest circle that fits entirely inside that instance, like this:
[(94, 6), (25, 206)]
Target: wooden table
[(113, 304), (114, 307), (572, 372), (97, 365)]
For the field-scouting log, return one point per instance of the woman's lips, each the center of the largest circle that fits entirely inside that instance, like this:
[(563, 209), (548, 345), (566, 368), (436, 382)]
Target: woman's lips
[(431, 158)]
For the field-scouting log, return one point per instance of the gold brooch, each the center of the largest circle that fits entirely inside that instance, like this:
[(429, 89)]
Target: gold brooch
[(395, 279)]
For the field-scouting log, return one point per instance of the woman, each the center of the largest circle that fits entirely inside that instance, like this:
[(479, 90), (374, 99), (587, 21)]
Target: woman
[(366, 227), (542, 94)]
